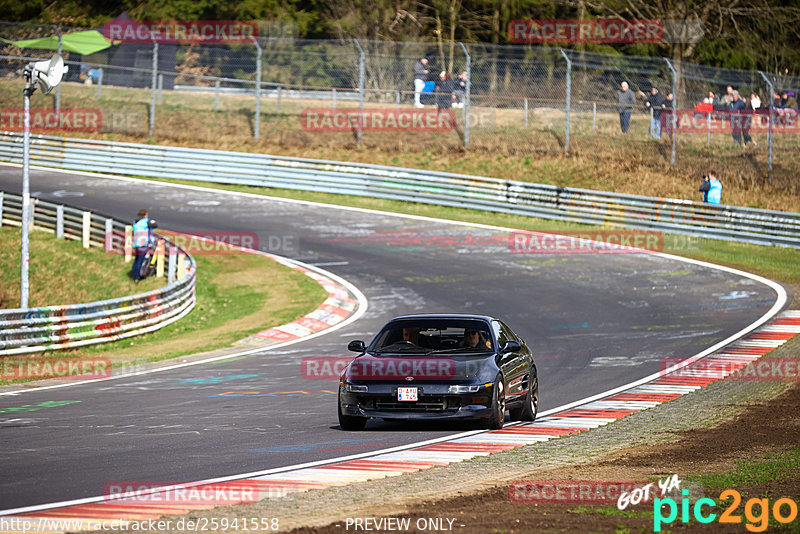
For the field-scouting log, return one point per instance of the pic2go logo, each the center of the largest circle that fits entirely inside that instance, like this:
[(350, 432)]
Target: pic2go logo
[(783, 511)]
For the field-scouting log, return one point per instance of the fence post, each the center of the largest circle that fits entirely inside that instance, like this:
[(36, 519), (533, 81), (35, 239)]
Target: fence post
[(568, 105), (172, 264), (87, 228), (397, 101), (58, 89), (278, 100), (257, 121), (674, 109), (526, 111), (333, 99), (181, 269), (216, 95), (108, 239), (153, 96), (59, 222), (100, 83), (594, 116), (128, 243), (708, 127), (1, 208), (467, 91), (360, 90), (770, 132), (160, 87)]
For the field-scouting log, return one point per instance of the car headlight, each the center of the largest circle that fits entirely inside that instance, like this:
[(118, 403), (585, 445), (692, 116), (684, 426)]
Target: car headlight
[(355, 388), (463, 389)]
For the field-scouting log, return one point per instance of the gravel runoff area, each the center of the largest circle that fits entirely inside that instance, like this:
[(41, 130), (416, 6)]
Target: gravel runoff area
[(705, 431)]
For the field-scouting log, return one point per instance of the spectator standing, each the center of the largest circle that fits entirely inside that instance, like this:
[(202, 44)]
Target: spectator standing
[(444, 91), (460, 90), (791, 100), (668, 105), (625, 101), (711, 188), (142, 239), (741, 117), (755, 101), (653, 103), (728, 98), (420, 77)]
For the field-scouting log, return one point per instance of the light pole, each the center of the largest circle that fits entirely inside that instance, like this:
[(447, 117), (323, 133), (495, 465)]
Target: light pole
[(45, 75)]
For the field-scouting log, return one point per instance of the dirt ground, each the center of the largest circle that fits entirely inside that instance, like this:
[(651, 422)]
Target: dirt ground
[(762, 429)]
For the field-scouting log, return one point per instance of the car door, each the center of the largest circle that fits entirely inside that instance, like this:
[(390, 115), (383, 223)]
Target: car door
[(513, 364)]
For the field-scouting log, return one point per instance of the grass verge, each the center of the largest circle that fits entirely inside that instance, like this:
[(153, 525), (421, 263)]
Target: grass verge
[(237, 295)]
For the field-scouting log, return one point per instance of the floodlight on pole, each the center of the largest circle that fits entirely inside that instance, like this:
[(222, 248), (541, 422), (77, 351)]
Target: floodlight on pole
[(45, 75)]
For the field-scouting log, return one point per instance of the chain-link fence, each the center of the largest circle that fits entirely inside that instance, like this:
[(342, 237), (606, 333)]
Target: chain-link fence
[(348, 92)]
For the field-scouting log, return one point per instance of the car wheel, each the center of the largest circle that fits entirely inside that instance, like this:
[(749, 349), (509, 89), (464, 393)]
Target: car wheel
[(498, 405), (351, 422), (530, 407)]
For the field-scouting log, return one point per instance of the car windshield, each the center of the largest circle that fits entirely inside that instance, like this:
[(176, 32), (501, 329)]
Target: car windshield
[(421, 336)]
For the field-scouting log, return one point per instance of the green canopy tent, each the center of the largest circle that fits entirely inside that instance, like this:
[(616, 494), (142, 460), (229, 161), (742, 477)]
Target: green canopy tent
[(84, 43)]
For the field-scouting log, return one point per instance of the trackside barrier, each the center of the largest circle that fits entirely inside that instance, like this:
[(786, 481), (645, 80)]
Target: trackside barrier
[(687, 217), (32, 330)]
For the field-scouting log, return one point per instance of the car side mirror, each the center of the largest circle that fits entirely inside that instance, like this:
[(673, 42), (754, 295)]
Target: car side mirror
[(356, 346), (511, 346)]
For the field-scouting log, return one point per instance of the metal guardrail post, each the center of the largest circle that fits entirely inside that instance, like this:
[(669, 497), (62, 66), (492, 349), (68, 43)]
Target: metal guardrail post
[(160, 259), (181, 268), (467, 93), (278, 100), (100, 83), (1, 208), (153, 91), (87, 228), (594, 116), (172, 264), (257, 119), (674, 114), (569, 102), (59, 222), (108, 238), (216, 95), (360, 90), (128, 243), (770, 131)]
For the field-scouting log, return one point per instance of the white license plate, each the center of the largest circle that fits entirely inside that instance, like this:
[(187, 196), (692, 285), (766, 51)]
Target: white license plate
[(407, 394)]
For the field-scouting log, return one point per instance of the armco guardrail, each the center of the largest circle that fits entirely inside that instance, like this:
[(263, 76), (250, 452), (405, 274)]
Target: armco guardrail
[(27, 331), (507, 196)]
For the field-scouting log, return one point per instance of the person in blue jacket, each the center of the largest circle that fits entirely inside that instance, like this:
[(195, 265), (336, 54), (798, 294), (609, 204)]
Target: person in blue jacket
[(711, 188), (142, 239)]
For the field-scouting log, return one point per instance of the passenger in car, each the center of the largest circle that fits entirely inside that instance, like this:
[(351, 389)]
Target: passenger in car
[(475, 339)]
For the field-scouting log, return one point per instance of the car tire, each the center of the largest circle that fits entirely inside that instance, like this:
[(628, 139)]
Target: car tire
[(351, 422), (530, 406), (498, 414)]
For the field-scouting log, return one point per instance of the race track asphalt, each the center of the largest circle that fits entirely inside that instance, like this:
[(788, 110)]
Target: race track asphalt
[(593, 321)]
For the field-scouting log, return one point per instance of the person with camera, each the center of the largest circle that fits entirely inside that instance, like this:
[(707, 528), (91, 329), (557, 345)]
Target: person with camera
[(711, 188)]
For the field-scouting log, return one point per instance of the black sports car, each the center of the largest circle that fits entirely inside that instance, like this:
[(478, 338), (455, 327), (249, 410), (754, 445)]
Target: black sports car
[(435, 366)]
